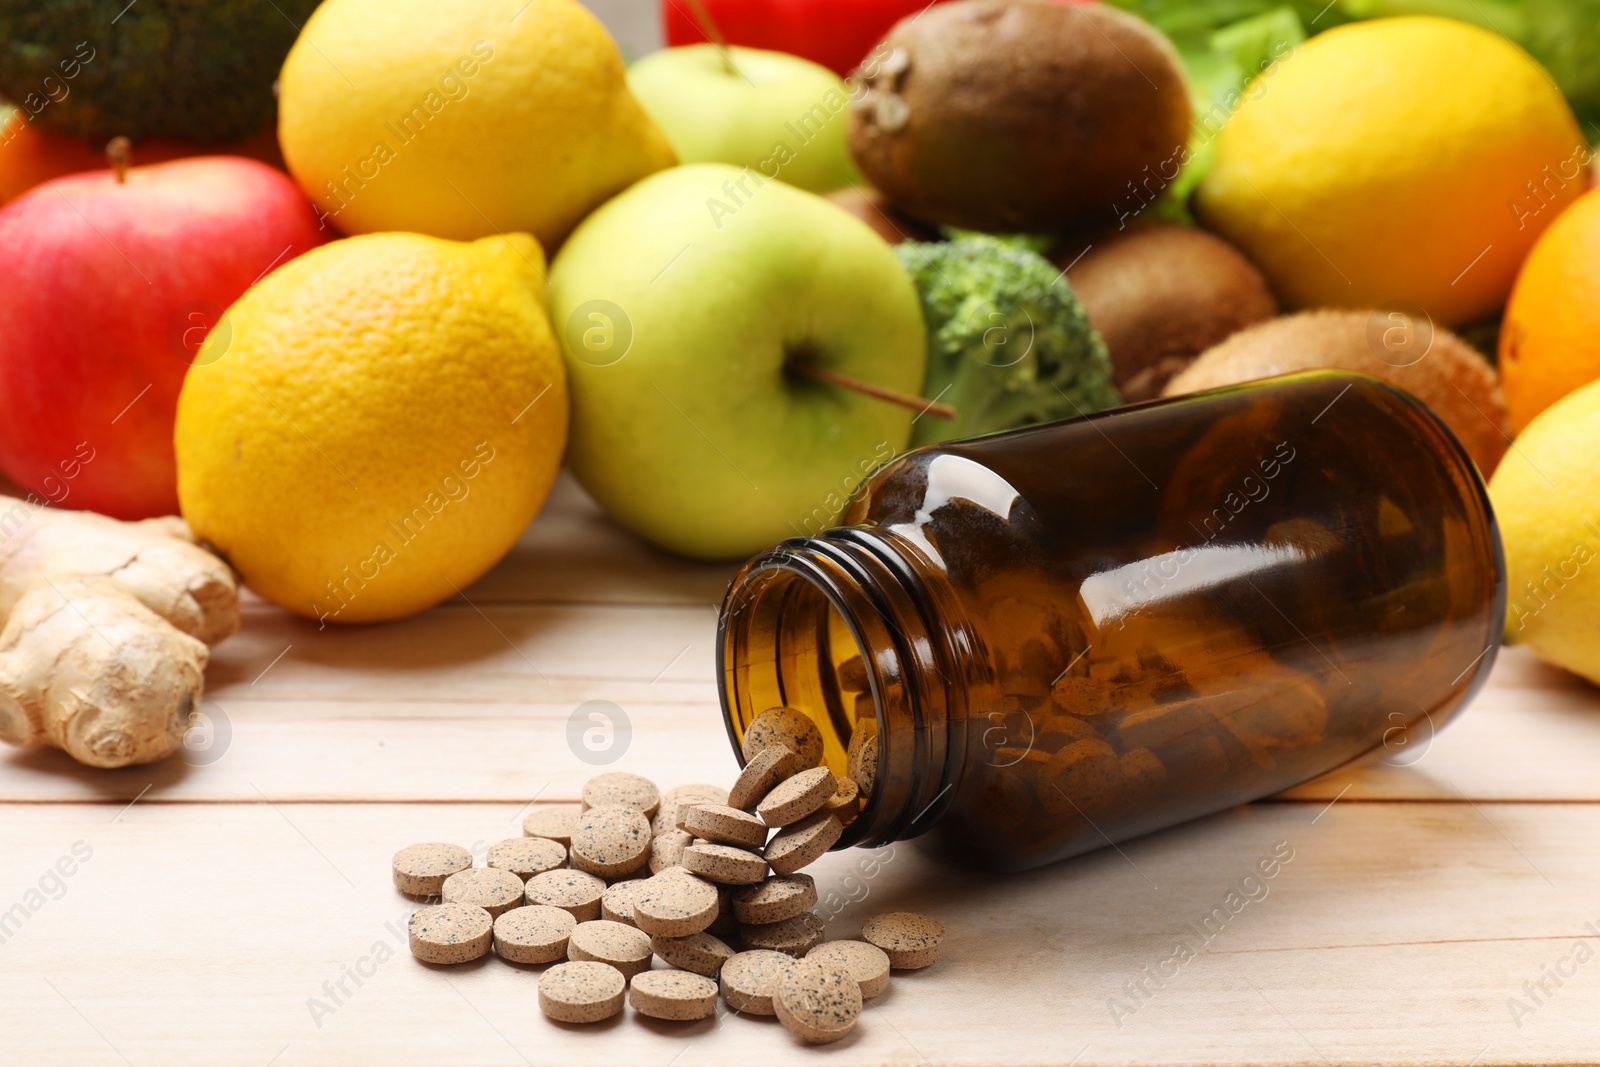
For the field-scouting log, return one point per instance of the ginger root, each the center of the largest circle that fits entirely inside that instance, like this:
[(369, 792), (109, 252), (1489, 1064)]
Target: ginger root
[(106, 631)]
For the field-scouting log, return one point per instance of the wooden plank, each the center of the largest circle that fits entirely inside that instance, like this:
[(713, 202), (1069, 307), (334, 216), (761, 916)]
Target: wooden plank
[(204, 933), (489, 653), (465, 720), (300, 751)]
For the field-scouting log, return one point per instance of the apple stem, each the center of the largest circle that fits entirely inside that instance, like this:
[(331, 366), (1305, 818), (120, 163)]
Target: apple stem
[(713, 32), (118, 152), (877, 392)]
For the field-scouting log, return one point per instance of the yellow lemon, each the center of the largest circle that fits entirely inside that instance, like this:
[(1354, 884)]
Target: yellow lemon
[(387, 416), (1408, 160), (461, 120), (1546, 497)]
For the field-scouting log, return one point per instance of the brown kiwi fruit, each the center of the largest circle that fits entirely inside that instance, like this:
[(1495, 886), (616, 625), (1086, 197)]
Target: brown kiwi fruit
[(1021, 116), (1160, 294), (870, 207), (1428, 361)]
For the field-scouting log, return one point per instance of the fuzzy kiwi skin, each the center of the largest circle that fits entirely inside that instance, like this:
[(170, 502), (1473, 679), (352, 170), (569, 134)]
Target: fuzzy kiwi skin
[(870, 207), (1452, 378), (1021, 116), (1160, 294)]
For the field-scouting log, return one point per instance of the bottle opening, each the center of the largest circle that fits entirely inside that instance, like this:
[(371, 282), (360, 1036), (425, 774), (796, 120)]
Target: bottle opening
[(795, 652), (808, 626)]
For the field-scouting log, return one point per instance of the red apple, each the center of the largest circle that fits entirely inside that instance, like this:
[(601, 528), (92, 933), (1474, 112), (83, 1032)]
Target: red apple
[(107, 288)]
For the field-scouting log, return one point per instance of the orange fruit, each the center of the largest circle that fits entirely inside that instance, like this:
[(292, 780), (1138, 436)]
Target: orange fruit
[(32, 154), (1550, 338)]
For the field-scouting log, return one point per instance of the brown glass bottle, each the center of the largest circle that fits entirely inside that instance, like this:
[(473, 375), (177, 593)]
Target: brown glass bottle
[(1077, 633)]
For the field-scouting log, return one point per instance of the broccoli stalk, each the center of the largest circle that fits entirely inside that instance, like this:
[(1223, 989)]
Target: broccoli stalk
[(1009, 344), (197, 70)]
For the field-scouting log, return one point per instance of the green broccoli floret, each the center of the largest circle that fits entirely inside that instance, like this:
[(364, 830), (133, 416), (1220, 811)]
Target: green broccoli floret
[(1008, 343), (199, 70)]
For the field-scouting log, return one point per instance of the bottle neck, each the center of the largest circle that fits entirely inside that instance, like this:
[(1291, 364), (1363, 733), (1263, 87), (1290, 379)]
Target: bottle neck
[(797, 613)]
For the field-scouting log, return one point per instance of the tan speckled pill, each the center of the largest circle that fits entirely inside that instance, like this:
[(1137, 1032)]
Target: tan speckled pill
[(787, 727), (611, 841), (748, 980), (697, 791), (817, 1003), (576, 892), (867, 964), (846, 800), (862, 764), (450, 933), (616, 903), (725, 926), (420, 870), (796, 797), (677, 996), (725, 825), (585, 992), (701, 953), (703, 791), (775, 899), (762, 774), (684, 808), (665, 820), (793, 937), (553, 821), (804, 843), (666, 817), (725, 864), (910, 940), (490, 888), (620, 789), (618, 944), (677, 869), (527, 856), (675, 906), (666, 850), (536, 933)]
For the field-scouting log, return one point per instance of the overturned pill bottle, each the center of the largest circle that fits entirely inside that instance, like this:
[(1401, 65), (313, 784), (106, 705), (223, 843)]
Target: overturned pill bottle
[(1035, 643)]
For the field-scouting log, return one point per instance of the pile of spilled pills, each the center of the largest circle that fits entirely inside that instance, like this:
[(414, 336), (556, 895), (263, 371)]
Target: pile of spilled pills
[(638, 896)]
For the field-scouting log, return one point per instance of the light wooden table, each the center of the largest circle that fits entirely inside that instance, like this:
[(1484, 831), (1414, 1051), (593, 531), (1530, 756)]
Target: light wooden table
[(213, 909)]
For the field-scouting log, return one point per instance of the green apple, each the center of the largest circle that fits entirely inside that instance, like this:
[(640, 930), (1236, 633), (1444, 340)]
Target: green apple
[(782, 116), (684, 306)]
